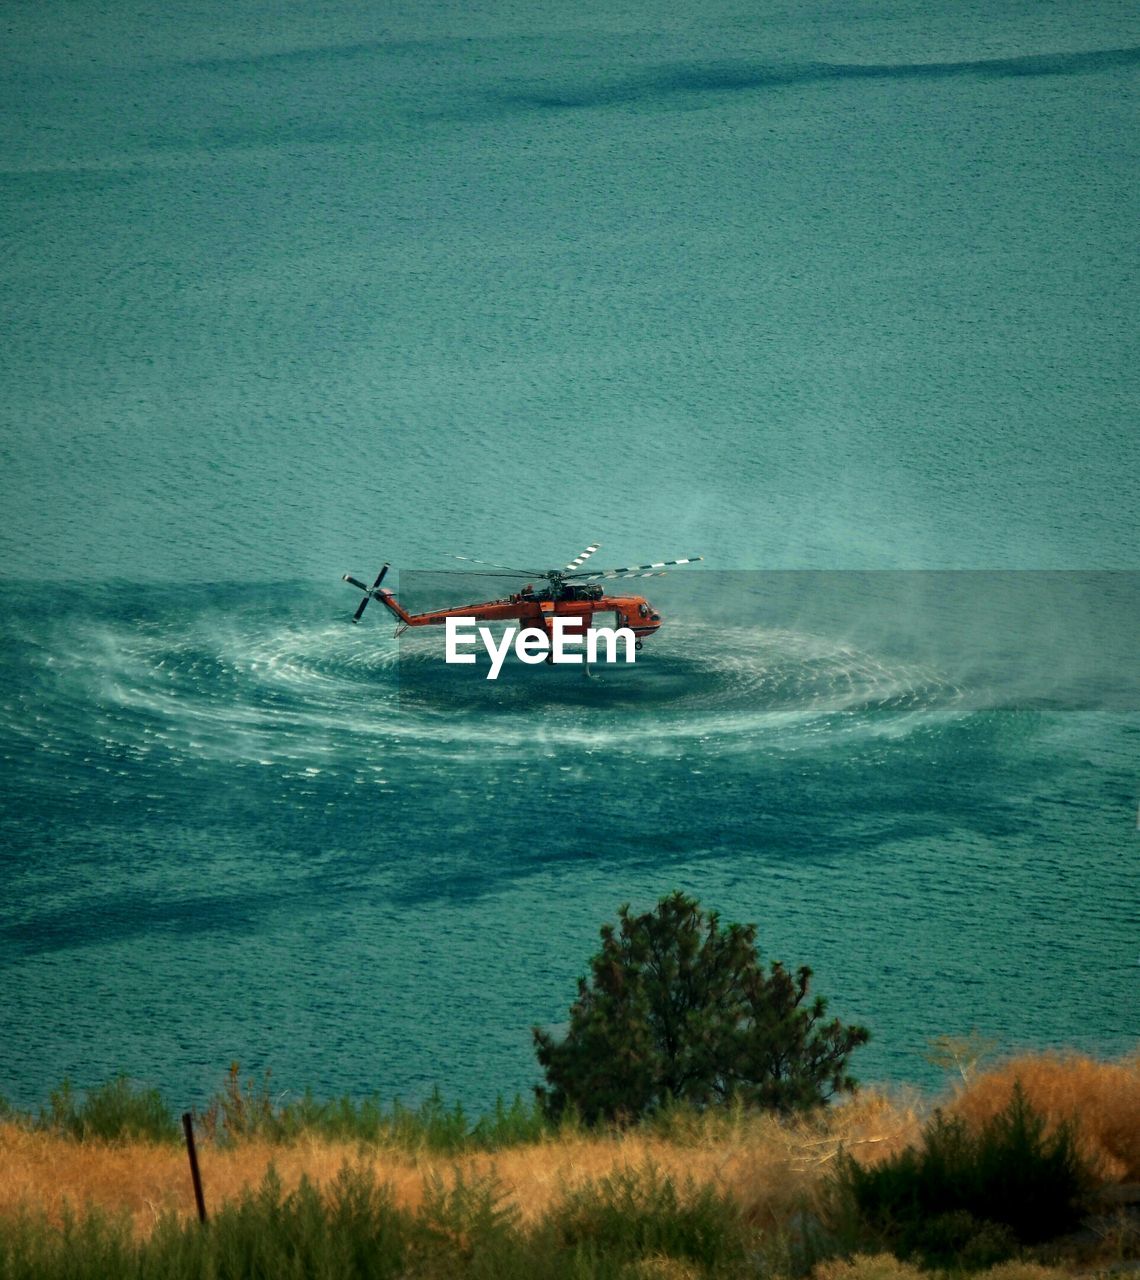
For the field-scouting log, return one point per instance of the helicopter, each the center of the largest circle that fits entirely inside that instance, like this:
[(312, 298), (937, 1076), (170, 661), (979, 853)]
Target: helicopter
[(569, 592)]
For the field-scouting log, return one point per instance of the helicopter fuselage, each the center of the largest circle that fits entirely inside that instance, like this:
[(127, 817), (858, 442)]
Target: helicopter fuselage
[(539, 608)]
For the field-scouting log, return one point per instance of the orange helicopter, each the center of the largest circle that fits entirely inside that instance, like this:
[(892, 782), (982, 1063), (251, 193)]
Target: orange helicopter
[(571, 592)]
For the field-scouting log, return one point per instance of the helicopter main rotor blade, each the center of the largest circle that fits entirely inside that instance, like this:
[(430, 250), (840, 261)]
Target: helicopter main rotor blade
[(632, 570), (526, 573), (479, 573), (580, 560), (609, 577)]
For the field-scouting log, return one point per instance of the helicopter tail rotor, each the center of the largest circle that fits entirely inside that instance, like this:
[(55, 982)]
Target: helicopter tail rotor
[(369, 592)]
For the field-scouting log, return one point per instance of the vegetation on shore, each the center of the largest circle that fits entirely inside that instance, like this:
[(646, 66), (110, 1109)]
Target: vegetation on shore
[(97, 1184), (684, 1130)]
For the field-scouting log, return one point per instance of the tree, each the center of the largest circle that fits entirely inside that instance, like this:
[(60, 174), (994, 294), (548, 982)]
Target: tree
[(678, 1008)]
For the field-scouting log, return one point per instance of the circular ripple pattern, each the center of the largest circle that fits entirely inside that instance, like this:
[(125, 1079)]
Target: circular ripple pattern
[(258, 690)]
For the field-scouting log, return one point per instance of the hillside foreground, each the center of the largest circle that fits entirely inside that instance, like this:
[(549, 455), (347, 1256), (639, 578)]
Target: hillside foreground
[(651, 1200)]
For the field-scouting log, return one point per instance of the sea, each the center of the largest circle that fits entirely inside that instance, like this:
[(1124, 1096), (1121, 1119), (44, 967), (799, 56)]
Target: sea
[(841, 297)]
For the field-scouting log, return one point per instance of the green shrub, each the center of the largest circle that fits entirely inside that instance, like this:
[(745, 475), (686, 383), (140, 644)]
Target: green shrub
[(91, 1247), (112, 1112), (248, 1109), (965, 1197), (631, 1216), (470, 1223), (631, 1225), (354, 1229), (522, 1122), (351, 1230)]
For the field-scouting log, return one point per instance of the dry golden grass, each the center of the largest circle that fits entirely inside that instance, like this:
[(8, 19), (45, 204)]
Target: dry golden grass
[(770, 1167), (45, 1172), (879, 1266), (885, 1266), (1100, 1099), (662, 1269), (1015, 1270)]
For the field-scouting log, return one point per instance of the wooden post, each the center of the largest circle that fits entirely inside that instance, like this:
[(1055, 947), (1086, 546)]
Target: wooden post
[(192, 1152)]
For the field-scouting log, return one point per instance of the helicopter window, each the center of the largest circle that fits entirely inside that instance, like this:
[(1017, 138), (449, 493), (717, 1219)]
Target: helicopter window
[(643, 610)]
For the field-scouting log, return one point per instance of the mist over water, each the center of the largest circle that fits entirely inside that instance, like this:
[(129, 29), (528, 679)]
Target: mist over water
[(833, 291)]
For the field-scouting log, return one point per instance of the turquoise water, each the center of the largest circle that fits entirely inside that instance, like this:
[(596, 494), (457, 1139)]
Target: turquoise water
[(822, 288)]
